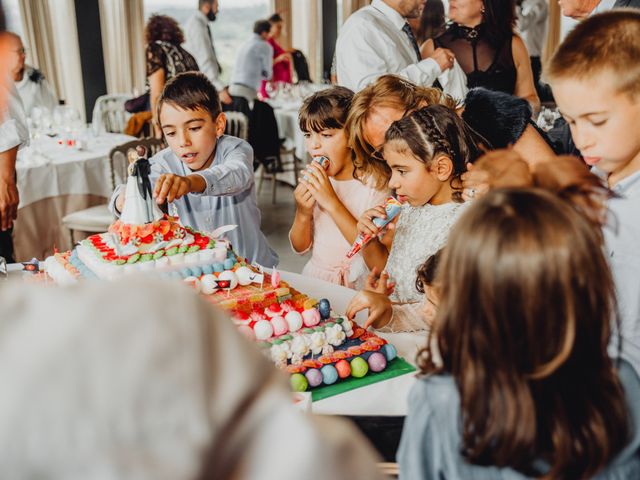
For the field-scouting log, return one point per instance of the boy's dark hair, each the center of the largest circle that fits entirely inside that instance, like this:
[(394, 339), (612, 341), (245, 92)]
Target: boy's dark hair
[(261, 26), (204, 2), (191, 91), (427, 271), (275, 18), (325, 109)]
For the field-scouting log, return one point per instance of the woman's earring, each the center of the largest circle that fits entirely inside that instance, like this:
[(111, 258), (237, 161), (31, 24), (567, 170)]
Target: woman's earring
[(482, 9)]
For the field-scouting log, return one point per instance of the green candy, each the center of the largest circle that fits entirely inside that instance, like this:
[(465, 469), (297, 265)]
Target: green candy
[(193, 248), (183, 249), (146, 257), (264, 345), (286, 337), (339, 319), (158, 254), (277, 341), (307, 330), (319, 329), (133, 258), (329, 325), (171, 252), (359, 367), (299, 382), (119, 261)]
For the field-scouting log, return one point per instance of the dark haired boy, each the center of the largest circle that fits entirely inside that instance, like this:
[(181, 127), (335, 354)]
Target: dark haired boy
[(205, 174)]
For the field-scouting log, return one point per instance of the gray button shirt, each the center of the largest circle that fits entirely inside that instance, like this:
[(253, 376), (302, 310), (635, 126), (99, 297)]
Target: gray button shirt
[(622, 242), (254, 63), (431, 438), (229, 198)]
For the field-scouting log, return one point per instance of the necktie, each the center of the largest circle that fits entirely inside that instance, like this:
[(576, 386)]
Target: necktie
[(407, 29)]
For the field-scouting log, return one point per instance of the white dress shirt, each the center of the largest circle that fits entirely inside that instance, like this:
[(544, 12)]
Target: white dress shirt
[(13, 123), (35, 92), (199, 44), (532, 24), (371, 43)]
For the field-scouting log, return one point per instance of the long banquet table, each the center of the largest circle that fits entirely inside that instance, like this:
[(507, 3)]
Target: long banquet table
[(54, 180)]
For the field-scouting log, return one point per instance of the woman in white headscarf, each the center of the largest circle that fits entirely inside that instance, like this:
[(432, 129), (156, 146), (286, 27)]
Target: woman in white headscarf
[(143, 380)]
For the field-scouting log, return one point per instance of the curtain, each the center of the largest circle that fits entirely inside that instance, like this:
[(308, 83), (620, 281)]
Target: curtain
[(553, 31), (283, 7), (122, 25), (307, 34), (350, 6), (51, 36)]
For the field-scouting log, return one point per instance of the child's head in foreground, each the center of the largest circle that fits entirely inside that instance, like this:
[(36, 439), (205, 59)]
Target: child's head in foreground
[(191, 118), (322, 118), (595, 76), (523, 325)]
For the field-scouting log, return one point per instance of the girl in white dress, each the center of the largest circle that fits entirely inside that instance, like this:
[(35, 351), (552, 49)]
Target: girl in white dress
[(426, 152)]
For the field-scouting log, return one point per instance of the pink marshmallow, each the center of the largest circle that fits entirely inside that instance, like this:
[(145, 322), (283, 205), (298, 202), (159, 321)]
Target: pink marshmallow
[(311, 317), (280, 325)]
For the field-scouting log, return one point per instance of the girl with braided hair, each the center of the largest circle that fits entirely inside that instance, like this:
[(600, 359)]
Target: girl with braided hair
[(426, 153)]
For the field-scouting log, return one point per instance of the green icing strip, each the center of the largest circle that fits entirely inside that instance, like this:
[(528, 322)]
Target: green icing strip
[(183, 249), (146, 257), (133, 258), (171, 252), (193, 248), (396, 367), (158, 254)]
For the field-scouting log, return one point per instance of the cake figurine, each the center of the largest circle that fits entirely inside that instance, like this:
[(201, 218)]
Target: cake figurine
[(140, 207)]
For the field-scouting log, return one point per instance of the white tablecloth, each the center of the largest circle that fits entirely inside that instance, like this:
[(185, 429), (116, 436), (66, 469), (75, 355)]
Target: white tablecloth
[(46, 169), (386, 398), (288, 128)]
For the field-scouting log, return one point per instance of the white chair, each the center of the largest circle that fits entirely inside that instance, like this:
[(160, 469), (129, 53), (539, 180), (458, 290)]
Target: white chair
[(97, 219), (109, 114), (237, 125)]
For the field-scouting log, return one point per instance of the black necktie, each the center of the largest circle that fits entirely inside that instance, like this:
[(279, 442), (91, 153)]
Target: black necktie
[(407, 29)]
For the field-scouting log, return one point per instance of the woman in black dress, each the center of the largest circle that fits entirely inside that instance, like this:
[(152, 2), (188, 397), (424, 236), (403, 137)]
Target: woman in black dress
[(165, 57), (492, 56)]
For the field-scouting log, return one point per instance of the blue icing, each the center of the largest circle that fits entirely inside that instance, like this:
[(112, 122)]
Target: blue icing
[(231, 255), (389, 351), (196, 271), (175, 275), (329, 374), (207, 269), (218, 267), (185, 272), (229, 263)]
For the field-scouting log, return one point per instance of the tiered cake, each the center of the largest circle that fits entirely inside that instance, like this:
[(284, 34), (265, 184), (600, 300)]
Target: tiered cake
[(299, 334)]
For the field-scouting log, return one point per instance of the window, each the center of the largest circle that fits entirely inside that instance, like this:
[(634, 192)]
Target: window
[(232, 27), (14, 19)]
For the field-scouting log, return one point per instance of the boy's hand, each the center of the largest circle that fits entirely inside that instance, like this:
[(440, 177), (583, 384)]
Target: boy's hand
[(171, 187), (379, 283), (365, 222), (316, 180), (304, 200), (378, 304)]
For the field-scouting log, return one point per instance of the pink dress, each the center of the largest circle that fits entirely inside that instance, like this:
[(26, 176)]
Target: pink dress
[(281, 70), (329, 248)]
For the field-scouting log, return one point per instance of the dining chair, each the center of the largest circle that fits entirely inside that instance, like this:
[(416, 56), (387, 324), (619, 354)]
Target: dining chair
[(97, 219), (109, 114), (270, 167), (237, 125)]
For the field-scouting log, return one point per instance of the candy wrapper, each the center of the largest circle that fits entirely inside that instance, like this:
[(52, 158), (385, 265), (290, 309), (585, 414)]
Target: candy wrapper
[(323, 161), (392, 209)]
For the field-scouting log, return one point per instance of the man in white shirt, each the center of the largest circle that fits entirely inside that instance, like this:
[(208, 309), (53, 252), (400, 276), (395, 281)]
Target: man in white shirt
[(199, 43), (33, 88), (377, 40), (13, 136)]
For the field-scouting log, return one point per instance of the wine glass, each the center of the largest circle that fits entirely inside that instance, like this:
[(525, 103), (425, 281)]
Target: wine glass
[(271, 89)]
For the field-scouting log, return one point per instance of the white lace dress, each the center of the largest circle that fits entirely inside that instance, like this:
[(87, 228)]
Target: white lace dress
[(420, 233)]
